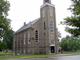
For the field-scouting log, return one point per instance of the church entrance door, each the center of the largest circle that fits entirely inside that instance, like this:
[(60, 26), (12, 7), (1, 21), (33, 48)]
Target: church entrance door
[(52, 49)]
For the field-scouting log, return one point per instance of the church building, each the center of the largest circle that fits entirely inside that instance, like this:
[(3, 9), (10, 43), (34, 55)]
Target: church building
[(39, 36)]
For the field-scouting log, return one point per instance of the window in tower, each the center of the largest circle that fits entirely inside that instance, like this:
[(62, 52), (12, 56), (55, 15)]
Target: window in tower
[(44, 24), (51, 27), (52, 41), (43, 13), (51, 13), (36, 36)]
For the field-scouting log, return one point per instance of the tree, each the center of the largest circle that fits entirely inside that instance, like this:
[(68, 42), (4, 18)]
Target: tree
[(3, 45), (67, 37), (7, 32), (9, 38), (63, 44), (4, 21), (70, 44), (74, 20), (73, 43)]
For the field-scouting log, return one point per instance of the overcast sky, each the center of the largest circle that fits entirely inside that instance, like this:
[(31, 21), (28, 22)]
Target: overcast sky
[(28, 10)]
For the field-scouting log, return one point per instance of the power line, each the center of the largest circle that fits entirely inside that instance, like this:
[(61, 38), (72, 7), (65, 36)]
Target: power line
[(18, 20)]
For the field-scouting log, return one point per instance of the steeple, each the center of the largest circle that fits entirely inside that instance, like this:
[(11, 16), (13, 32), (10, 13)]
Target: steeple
[(46, 1)]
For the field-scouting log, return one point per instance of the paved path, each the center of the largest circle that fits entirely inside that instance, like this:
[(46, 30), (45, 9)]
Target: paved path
[(74, 57)]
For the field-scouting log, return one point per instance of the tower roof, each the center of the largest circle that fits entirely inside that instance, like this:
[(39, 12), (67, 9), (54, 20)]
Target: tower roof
[(46, 1)]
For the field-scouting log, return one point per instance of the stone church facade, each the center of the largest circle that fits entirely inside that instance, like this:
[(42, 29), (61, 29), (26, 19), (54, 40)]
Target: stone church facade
[(40, 35)]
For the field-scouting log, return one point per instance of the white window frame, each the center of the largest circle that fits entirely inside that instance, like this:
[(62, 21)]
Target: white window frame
[(52, 41), (28, 37), (52, 44), (51, 13), (38, 36), (44, 25), (51, 26), (43, 13)]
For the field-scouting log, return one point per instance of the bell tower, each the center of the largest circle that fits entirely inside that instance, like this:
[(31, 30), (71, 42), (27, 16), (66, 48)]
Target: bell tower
[(46, 1), (48, 28)]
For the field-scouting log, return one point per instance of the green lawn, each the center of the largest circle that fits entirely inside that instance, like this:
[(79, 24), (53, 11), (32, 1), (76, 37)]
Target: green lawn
[(38, 55), (2, 53), (71, 52), (21, 56)]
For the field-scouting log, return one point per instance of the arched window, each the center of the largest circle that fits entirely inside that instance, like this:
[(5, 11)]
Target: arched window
[(51, 13), (28, 37), (43, 13), (44, 24), (51, 27), (17, 40), (52, 41), (24, 38), (36, 36), (20, 39)]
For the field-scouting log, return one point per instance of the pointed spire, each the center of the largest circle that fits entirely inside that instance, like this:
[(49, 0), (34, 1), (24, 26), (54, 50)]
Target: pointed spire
[(46, 1)]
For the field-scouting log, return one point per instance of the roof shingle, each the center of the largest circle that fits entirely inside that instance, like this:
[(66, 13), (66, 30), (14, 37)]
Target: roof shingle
[(26, 26)]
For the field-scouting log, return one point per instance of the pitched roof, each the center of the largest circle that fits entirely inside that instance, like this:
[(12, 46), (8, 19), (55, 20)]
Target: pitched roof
[(26, 26)]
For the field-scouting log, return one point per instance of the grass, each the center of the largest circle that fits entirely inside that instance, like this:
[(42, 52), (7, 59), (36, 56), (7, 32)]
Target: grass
[(71, 52), (2, 53), (21, 56), (36, 55)]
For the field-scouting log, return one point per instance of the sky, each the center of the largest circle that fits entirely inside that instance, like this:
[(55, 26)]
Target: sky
[(28, 10)]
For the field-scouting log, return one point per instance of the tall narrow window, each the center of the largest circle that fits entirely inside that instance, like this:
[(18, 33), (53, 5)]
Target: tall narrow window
[(52, 41), (24, 38), (14, 44), (17, 50), (44, 24), (17, 43), (17, 40), (36, 36), (24, 51), (51, 13), (20, 50), (20, 38), (51, 27), (28, 50), (43, 13), (28, 37)]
